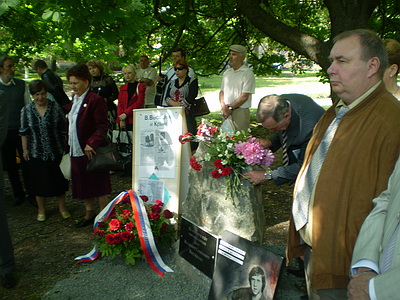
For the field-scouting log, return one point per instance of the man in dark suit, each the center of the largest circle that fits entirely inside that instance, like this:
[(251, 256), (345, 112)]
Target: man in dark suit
[(292, 117), (53, 81), (7, 264)]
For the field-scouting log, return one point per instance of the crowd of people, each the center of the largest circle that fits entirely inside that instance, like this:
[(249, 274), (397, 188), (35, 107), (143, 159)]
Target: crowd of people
[(343, 162)]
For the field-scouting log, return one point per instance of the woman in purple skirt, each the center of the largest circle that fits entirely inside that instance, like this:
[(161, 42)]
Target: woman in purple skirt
[(87, 118)]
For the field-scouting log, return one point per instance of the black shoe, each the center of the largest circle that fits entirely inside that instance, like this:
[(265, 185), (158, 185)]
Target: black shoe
[(8, 280), (32, 200), (84, 222)]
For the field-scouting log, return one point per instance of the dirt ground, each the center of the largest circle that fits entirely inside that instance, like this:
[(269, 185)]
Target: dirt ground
[(45, 251)]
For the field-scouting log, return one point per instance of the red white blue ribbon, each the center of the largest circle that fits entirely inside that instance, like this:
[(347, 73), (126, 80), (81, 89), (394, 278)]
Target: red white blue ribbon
[(144, 232), (146, 236)]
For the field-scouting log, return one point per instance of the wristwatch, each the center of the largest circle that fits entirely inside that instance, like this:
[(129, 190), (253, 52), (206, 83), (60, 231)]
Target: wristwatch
[(268, 174), (231, 108)]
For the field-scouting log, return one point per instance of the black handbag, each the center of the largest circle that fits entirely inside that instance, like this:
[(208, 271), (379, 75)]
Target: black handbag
[(124, 146), (107, 158), (200, 107)]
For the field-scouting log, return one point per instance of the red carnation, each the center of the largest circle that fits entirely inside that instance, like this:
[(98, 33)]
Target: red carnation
[(154, 216), (114, 224), (218, 164), (155, 208), (226, 171), (144, 198), (194, 164), (129, 226), (159, 203), (118, 238), (167, 214), (99, 232), (163, 227), (126, 236), (216, 173), (126, 213), (112, 214), (110, 239)]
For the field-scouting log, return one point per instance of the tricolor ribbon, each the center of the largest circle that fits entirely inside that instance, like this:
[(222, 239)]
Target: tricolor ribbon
[(144, 232)]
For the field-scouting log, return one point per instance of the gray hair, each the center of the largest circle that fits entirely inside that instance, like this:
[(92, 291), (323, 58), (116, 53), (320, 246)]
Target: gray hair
[(272, 106)]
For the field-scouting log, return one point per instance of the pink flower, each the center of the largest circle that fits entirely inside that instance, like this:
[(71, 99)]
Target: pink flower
[(167, 214), (114, 224), (253, 153)]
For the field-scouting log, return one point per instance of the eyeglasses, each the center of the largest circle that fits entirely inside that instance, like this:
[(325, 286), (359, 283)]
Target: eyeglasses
[(179, 68)]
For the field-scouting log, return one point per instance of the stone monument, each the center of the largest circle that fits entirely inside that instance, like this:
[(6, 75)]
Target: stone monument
[(207, 204)]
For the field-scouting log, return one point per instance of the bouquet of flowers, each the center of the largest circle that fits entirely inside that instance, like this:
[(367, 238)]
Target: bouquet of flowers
[(118, 234), (231, 154)]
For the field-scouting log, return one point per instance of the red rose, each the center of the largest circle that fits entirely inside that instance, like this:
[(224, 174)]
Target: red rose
[(112, 214), (144, 198), (159, 203), (118, 238), (218, 164), (126, 236), (154, 216), (226, 171), (167, 214), (126, 213), (155, 208), (215, 173), (110, 239), (129, 226), (114, 224)]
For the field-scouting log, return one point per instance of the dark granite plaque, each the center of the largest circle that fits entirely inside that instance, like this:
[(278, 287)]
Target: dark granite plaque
[(198, 247)]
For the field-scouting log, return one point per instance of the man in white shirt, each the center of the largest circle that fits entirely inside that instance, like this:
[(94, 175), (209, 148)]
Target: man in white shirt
[(238, 83), (148, 76)]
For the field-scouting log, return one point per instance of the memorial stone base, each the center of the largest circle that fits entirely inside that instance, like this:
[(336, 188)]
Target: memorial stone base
[(207, 206)]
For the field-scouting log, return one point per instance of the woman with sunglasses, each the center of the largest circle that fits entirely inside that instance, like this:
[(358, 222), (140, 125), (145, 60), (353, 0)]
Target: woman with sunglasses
[(183, 92)]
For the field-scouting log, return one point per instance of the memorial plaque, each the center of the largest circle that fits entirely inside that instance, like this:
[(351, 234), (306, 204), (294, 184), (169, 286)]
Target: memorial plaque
[(244, 270), (198, 247)]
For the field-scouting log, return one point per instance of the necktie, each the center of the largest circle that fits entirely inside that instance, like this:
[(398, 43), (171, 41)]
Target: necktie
[(387, 254), (301, 199), (285, 158)]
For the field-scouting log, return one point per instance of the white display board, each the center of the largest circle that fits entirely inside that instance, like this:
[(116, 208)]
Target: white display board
[(160, 163)]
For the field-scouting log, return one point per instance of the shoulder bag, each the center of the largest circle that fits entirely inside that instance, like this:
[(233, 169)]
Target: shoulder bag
[(107, 158)]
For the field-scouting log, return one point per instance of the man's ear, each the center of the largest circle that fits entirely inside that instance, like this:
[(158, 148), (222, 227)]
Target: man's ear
[(373, 66)]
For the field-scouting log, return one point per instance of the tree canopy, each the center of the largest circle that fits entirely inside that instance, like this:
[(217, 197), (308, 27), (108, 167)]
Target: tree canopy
[(119, 31)]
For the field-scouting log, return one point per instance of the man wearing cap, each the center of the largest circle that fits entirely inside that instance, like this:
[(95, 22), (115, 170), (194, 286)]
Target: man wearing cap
[(238, 83)]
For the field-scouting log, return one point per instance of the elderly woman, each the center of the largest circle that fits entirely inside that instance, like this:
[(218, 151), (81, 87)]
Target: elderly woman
[(390, 75), (183, 92), (131, 96), (104, 86), (43, 131), (87, 117)]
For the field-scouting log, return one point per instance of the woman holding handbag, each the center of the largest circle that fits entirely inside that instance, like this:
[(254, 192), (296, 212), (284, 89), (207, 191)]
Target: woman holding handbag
[(183, 92), (131, 96), (87, 118), (43, 131)]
